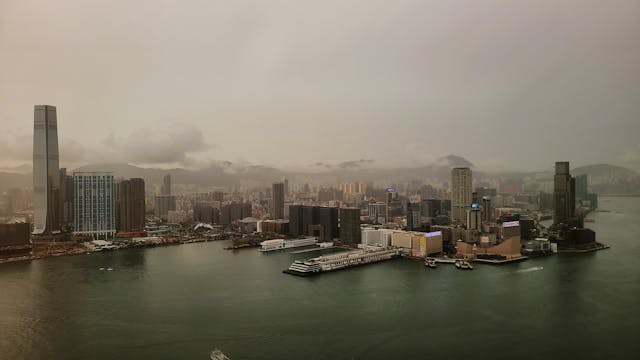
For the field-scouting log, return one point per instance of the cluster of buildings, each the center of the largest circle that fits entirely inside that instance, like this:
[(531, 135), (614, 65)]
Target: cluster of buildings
[(90, 204), (419, 219)]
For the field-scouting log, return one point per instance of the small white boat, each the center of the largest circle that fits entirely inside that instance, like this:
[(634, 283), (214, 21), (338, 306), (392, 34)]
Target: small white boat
[(109, 269), (101, 269), (217, 355), (430, 262), (463, 265), (280, 244)]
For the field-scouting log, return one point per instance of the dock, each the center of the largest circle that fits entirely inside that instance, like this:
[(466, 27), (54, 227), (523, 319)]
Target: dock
[(500, 262), (312, 250)]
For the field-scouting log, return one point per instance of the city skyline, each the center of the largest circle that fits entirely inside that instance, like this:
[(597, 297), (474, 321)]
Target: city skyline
[(508, 86)]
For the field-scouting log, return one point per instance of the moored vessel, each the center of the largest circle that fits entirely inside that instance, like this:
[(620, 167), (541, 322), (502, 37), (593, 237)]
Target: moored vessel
[(280, 244), (430, 262), (463, 265)]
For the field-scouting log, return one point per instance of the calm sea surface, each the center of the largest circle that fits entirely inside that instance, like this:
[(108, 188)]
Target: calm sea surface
[(179, 302)]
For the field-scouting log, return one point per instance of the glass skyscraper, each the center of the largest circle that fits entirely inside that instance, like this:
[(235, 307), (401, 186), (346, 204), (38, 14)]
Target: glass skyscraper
[(46, 176)]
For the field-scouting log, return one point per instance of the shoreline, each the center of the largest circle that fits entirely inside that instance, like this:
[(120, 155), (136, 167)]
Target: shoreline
[(89, 252)]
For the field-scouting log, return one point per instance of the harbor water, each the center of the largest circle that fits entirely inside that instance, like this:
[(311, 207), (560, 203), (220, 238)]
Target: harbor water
[(179, 302)]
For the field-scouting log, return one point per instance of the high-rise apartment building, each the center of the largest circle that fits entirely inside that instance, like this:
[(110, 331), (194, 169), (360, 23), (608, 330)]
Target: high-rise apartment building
[(354, 188), (350, 232), (165, 189), (206, 213), (564, 194), (94, 204), (130, 209), (235, 211), (66, 199), (378, 212), (460, 193), (277, 201), (46, 176), (164, 204), (431, 208), (413, 216)]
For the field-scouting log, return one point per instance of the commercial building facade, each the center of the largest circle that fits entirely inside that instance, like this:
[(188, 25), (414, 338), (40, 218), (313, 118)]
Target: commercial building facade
[(277, 201), (130, 211), (350, 233), (564, 194)]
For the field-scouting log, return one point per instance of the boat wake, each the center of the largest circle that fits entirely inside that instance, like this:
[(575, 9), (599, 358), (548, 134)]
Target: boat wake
[(536, 268)]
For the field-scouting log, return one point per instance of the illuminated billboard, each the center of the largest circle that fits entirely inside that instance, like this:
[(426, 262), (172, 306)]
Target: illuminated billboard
[(511, 224)]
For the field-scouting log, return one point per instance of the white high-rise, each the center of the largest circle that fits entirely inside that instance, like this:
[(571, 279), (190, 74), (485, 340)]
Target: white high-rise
[(46, 172), (461, 190), (94, 204)]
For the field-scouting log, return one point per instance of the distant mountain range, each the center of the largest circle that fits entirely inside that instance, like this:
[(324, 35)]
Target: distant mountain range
[(603, 178)]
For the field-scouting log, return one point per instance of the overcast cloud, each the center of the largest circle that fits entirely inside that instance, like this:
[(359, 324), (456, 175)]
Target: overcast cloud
[(505, 84)]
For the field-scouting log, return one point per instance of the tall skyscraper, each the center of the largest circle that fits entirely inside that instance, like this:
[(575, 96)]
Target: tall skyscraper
[(582, 184), (460, 193), (131, 205), (350, 233), (564, 194), (277, 202), (295, 220), (46, 176), (165, 189), (487, 211), (94, 204)]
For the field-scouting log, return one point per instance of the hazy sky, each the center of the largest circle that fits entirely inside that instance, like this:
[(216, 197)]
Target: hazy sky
[(506, 84)]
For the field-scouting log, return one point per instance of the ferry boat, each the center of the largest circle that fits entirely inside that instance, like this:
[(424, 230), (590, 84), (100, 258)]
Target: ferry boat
[(305, 267), (463, 265), (280, 244), (340, 261), (430, 262)]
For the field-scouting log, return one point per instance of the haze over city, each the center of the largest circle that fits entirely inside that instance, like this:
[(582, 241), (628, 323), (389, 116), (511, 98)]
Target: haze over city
[(508, 85)]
